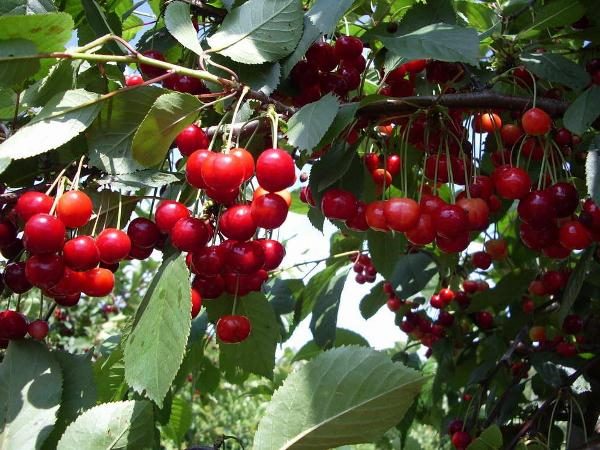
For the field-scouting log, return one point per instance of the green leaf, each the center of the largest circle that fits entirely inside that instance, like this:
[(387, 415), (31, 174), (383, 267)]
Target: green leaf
[(439, 41), (8, 102), (324, 314), (109, 374), (260, 77), (180, 420), (557, 69), (325, 14), (412, 273), (553, 14), (122, 425), (508, 290), (110, 138), (310, 34), (22, 7), (422, 14), (257, 353), (179, 24), (489, 439), (155, 348), (373, 301), (98, 22), (313, 289), (385, 249), (592, 175), (60, 78), (65, 116), (346, 395), (343, 338), (344, 118), (49, 32), (170, 114), (143, 179), (330, 168), (583, 111), (478, 15), (79, 391), (259, 31), (30, 390), (307, 127), (575, 282), (14, 73)]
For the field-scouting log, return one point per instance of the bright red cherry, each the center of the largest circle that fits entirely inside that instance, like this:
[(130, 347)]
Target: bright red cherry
[(511, 182), (143, 232), (99, 282), (168, 212), (423, 232), (375, 216), (247, 161), (537, 208), (44, 233), (223, 172), (151, 71), (451, 220), (133, 80), (275, 170), (187, 84), (38, 329), (461, 439), (15, 278), (484, 320), (8, 233), (401, 214), (348, 47), (322, 56), (415, 66), (381, 177), (13, 325), (245, 257), (573, 235), (393, 164), (45, 270), (274, 253), (113, 245), (31, 203), (478, 212), (371, 161), (359, 221), (339, 204), (454, 244), (481, 260), (193, 167), (233, 329), (196, 302), (269, 211), (536, 122), (189, 234), (71, 283), (192, 138), (566, 198), (74, 209), (238, 223), (81, 253)]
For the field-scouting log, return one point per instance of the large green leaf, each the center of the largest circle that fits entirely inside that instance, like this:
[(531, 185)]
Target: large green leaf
[(324, 314), (143, 179), (179, 24), (156, 346), (180, 420), (100, 25), (343, 338), (557, 69), (439, 41), (373, 301), (575, 282), (330, 168), (307, 127), (30, 390), (60, 78), (259, 31), (79, 392), (489, 439), (346, 395), (553, 14), (325, 14), (583, 111), (412, 273), (385, 249), (119, 425), (65, 116), (592, 175), (22, 7), (14, 73), (170, 114), (479, 15), (310, 34), (110, 138), (257, 353)]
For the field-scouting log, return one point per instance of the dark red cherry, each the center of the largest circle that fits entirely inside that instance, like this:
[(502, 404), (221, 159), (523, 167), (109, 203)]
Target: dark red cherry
[(481, 260), (139, 253), (304, 74), (209, 260), (275, 170), (572, 324), (168, 213), (189, 234), (114, 245), (322, 56), (15, 278), (348, 47), (151, 71), (484, 320), (269, 211), (245, 257), (38, 329), (31, 203), (359, 221), (192, 138), (209, 287), (238, 223), (339, 204), (143, 232), (13, 250), (13, 325), (537, 208), (81, 253), (233, 329), (573, 235), (187, 84), (451, 220), (351, 76), (566, 198), (274, 253), (454, 244), (44, 271), (44, 233), (8, 233)]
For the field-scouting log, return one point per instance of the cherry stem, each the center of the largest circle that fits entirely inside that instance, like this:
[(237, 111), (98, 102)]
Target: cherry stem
[(272, 114), (120, 211), (235, 113), (75, 183)]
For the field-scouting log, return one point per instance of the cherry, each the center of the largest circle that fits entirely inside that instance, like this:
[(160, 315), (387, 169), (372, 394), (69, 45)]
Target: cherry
[(396, 75), (565, 198), (245, 257), (454, 244), (415, 66), (274, 253), (209, 287), (566, 349), (306, 196), (44, 271), (381, 177), (375, 216), (394, 304), (527, 305), (436, 301), (31, 203), (225, 197), (481, 260), (573, 235), (489, 122), (99, 282), (74, 209), (348, 47), (233, 329), (269, 211), (484, 320), (81, 253), (563, 137), (394, 164), (401, 214), (15, 278), (189, 234), (209, 260), (192, 138), (44, 233), (8, 233), (13, 250), (246, 159), (536, 122), (455, 426), (285, 194), (143, 233), (238, 223), (445, 319), (223, 172), (461, 439), (196, 302), (113, 245), (451, 220), (139, 253), (553, 281), (151, 71), (13, 325), (38, 329), (186, 84), (193, 168), (71, 283), (351, 76), (537, 208), (359, 221), (431, 203), (322, 56), (371, 161), (511, 182), (275, 170), (133, 80), (496, 248), (339, 204), (478, 212), (168, 212), (423, 232), (572, 324), (511, 134), (304, 74)]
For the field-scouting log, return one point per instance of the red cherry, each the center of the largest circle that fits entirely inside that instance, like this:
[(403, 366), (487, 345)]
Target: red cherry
[(322, 56), (572, 324), (496, 248), (339, 204), (481, 260), (38, 329), (445, 319), (537, 208), (70, 284), (275, 170), (13, 325), (511, 182), (15, 278), (536, 122), (238, 223), (186, 84), (209, 260), (348, 47), (225, 197), (143, 233), (189, 234), (133, 80), (423, 232), (478, 213), (209, 287), (484, 320), (396, 75), (304, 74), (573, 235), (274, 253), (455, 426), (113, 245), (489, 122), (151, 71), (461, 439), (566, 198), (196, 303), (31, 203), (381, 177), (246, 159), (436, 302), (371, 161), (451, 220), (394, 164), (245, 257), (415, 66), (563, 137), (511, 134), (269, 211), (306, 196), (430, 204), (168, 212), (375, 216), (8, 233), (223, 172), (193, 168), (74, 209), (233, 329), (553, 282), (99, 282), (44, 233), (401, 214), (192, 138), (359, 221), (454, 244), (44, 271), (12, 251), (566, 349), (394, 304)]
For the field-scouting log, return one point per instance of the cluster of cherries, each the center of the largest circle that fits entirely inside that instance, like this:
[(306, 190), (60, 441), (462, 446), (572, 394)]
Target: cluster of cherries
[(363, 268)]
